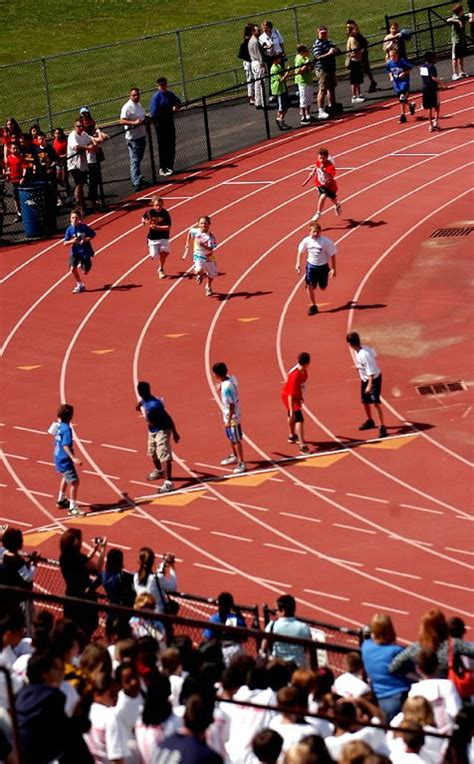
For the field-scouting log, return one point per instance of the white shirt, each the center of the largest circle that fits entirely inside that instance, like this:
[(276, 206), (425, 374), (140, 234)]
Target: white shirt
[(104, 738), (245, 722), (79, 160), (128, 710), (444, 699), (350, 686), (167, 584), (370, 735), (291, 733), (149, 738), (273, 42), (133, 110), (366, 364), (433, 750), (230, 395), (319, 249)]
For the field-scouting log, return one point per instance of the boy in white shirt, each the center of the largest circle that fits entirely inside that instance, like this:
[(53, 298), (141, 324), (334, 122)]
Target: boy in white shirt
[(371, 382), (350, 684)]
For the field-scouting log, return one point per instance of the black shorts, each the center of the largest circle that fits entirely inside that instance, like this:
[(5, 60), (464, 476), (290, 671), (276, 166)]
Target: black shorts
[(317, 276), (459, 50), (297, 414), (430, 98), (374, 395), (325, 191), (356, 73), (79, 177), (84, 263)]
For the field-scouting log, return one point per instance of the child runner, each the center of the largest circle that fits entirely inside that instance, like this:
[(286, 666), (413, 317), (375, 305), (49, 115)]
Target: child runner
[(292, 397), (321, 252), (304, 80), (64, 459), (159, 225), (458, 39), (79, 235), (205, 243), (229, 390), (431, 85), (324, 170), (371, 382), (15, 170), (399, 73), (279, 89)]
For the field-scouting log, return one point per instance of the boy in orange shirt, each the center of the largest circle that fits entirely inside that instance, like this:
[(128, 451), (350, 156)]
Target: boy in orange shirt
[(325, 171)]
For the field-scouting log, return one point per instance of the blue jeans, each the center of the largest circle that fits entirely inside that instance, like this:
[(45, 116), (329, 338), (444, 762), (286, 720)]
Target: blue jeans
[(136, 150), (393, 704)]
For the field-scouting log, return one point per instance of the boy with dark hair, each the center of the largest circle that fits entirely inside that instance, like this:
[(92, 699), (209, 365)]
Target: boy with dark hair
[(267, 746), (399, 73), (430, 87), (158, 220), (371, 381), (292, 397), (64, 459), (189, 743), (278, 88), (79, 235), (227, 385), (160, 429), (324, 172)]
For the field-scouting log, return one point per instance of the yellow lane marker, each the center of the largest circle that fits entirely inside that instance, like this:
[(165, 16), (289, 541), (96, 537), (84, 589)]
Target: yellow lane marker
[(248, 480), (176, 336), (35, 539), (177, 499), (391, 444), (103, 352), (29, 368), (321, 461), (98, 518), (249, 320)]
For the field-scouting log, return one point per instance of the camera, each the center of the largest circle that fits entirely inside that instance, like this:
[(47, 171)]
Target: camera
[(100, 540), (168, 559)]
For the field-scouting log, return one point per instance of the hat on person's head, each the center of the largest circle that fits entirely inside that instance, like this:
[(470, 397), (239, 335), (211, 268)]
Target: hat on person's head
[(84, 110), (322, 29)]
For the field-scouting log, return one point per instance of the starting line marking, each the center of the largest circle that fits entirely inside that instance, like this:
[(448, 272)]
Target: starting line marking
[(353, 528), (230, 536), (385, 608), (326, 594), (398, 573)]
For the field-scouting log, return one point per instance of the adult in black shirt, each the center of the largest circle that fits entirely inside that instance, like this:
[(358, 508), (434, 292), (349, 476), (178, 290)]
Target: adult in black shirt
[(79, 572)]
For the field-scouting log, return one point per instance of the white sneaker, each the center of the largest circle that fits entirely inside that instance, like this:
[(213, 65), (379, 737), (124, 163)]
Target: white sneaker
[(463, 74), (337, 209), (316, 216), (208, 291), (167, 486), (161, 273), (322, 114), (456, 76), (232, 459), (79, 288), (162, 172), (74, 511), (240, 468), (357, 99)]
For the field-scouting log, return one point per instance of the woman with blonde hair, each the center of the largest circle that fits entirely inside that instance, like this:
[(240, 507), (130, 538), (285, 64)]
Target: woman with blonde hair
[(377, 654), (419, 711)]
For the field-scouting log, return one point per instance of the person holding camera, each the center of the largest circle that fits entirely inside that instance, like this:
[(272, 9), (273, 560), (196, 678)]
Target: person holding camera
[(80, 573), (16, 570), (158, 583)]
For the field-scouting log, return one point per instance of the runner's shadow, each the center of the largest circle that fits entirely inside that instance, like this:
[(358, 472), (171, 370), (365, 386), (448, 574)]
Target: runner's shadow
[(246, 295), (117, 288), (354, 306), (351, 223)]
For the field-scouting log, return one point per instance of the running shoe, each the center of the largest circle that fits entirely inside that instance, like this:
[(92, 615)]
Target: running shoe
[(412, 107), (383, 432), (208, 291), (312, 310), (337, 209), (292, 439), (62, 503), (198, 278), (161, 273), (323, 114), (76, 512), (154, 475), (79, 288), (232, 459), (167, 486), (316, 217), (402, 119), (304, 449), (240, 468), (369, 424)]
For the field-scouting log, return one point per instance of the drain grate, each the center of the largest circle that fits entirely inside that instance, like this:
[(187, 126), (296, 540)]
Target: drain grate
[(442, 233), (441, 388)]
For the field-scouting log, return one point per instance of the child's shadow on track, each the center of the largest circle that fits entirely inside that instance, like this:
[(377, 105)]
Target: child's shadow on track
[(355, 306), (351, 223), (246, 295), (116, 288)]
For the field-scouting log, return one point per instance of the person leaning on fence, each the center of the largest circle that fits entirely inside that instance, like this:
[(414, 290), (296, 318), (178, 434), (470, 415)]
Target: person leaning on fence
[(164, 103), (77, 144), (133, 117), (244, 56), (363, 42), (458, 39), (304, 79), (325, 52), (395, 39), (287, 624), (258, 66)]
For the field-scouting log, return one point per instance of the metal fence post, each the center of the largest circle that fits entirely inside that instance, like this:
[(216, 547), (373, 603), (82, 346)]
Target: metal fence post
[(151, 149), (206, 129), (47, 93), (181, 64), (430, 22), (296, 25)]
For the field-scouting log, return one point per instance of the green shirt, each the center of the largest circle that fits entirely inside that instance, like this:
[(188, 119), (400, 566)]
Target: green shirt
[(278, 86), (458, 33), (307, 77)]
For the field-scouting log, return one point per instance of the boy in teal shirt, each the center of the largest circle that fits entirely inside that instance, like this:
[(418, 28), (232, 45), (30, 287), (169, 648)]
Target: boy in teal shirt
[(304, 80), (278, 87)]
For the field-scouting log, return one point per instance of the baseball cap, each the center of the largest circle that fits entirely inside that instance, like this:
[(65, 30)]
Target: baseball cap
[(84, 110)]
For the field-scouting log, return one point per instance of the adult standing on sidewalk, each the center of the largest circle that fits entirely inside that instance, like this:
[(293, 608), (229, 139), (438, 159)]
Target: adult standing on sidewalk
[(132, 116), (258, 66), (325, 52), (163, 105)]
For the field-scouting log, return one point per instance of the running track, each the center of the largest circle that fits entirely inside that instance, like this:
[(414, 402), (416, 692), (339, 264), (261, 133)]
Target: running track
[(356, 527)]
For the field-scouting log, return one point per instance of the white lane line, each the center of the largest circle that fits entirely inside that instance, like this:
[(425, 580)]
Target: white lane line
[(3, 485), (149, 484), (47, 464), (120, 546), (285, 548), (36, 493), (385, 608), (276, 583), (326, 594), (423, 509), (252, 506), (15, 522), (411, 154), (348, 562), (212, 567), (276, 480), (209, 498), (459, 551), (368, 498), (248, 182), (300, 517), (143, 198), (29, 429), (413, 541), (461, 517), (210, 466), (118, 448), (181, 525), (230, 536), (92, 472), (353, 528), (318, 488), (16, 456), (398, 573), (467, 412), (454, 586)]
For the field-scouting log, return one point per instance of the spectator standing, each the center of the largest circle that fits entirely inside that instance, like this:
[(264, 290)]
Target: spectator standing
[(292, 397), (163, 105), (17, 570), (286, 623), (78, 143), (271, 41), (117, 582), (29, 153), (304, 80), (371, 382), (354, 52), (15, 172), (227, 385), (156, 584), (227, 615), (280, 91), (441, 693), (11, 134), (158, 221), (244, 56), (78, 235), (350, 684), (59, 144), (133, 117), (258, 66), (79, 572), (325, 52), (48, 160), (104, 739), (320, 264), (160, 428), (458, 39), (364, 44), (395, 40)]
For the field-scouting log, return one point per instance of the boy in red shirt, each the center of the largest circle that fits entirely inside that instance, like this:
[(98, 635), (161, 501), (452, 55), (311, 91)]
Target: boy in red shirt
[(16, 168), (325, 172), (292, 397)]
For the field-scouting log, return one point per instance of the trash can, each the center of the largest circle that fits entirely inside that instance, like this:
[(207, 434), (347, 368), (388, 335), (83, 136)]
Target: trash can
[(38, 209)]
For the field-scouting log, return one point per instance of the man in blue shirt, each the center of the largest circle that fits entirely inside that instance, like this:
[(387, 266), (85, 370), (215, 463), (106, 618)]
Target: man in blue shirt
[(160, 429), (79, 235), (287, 624), (325, 52), (163, 105)]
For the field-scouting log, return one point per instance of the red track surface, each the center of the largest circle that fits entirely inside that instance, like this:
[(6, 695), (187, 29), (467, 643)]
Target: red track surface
[(357, 528)]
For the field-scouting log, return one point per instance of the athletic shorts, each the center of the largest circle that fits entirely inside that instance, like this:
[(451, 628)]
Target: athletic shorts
[(79, 177), (325, 191), (205, 268), (84, 263), (459, 50), (317, 276), (159, 445), (297, 413), (70, 474), (157, 246), (430, 98), (374, 395), (234, 433)]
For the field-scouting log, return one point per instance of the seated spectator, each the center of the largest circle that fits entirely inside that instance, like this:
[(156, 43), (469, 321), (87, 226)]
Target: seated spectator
[(413, 740), (267, 746), (123, 648), (355, 752), (350, 684), (157, 720), (418, 710), (350, 718), (128, 708), (291, 723), (311, 750), (104, 738), (227, 615), (41, 627), (95, 662), (287, 624), (12, 637), (156, 584), (142, 627), (188, 744), (441, 693), (171, 664)]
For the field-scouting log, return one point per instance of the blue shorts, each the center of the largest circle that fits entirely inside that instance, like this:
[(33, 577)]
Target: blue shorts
[(317, 275), (69, 474), (84, 262), (402, 92), (374, 395), (234, 433)]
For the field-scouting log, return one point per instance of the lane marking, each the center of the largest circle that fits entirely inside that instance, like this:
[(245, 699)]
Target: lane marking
[(47, 464), (99, 474), (29, 429), (459, 551), (117, 448), (368, 498), (326, 594), (422, 509), (209, 498), (300, 517), (398, 573), (354, 528), (385, 608), (35, 493), (285, 548), (248, 182), (454, 586), (213, 567), (3, 485), (230, 536), (16, 456), (120, 546), (462, 517), (210, 466), (251, 506), (349, 562), (468, 411), (149, 484), (181, 525), (411, 154), (319, 488), (276, 583), (15, 522)]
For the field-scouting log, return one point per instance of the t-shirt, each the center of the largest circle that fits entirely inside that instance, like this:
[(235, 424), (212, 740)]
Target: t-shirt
[(201, 243), (328, 64), (149, 737), (162, 103), (63, 437), (324, 175), (427, 72), (132, 110), (15, 165), (302, 78), (60, 146), (47, 157), (277, 85), (443, 697), (271, 43), (291, 627), (366, 364), (291, 733), (155, 414), (350, 686), (396, 69), (156, 218), (319, 249), (82, 249), (104, 738), (374, 737), (376, 659), (77, 160), (185, 749), (295, 384), (230, 395), (458, 34)]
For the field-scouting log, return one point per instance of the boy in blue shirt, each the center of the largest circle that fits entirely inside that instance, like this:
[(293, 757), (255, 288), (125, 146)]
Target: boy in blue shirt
[(79, 235), (399, 73), (64, 459)]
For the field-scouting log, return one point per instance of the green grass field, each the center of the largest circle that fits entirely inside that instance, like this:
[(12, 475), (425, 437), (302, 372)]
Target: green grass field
[(103, 77)]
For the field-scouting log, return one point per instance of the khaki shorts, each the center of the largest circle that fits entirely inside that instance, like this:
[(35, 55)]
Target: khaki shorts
[(159, 445), (326, 81)]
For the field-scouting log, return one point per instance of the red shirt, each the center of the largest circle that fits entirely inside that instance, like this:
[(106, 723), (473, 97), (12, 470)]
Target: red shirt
[(324, 175), (15, 165), (294, 385), (60, 146)]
